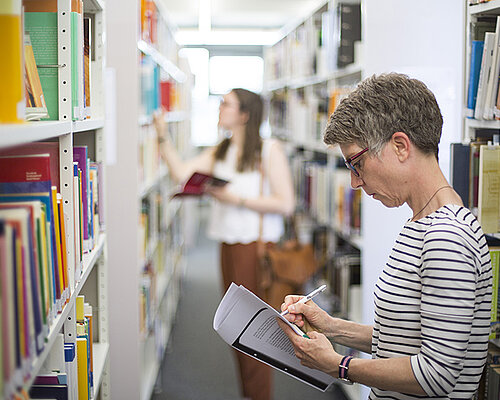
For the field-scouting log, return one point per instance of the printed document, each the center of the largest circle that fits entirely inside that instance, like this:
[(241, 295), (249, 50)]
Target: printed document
[(249, 325)]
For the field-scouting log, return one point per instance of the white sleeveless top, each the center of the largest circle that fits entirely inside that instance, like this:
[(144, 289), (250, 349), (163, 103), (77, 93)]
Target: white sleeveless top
[(234, 224)]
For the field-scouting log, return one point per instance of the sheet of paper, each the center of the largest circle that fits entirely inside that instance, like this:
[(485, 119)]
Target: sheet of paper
[(249, 325)]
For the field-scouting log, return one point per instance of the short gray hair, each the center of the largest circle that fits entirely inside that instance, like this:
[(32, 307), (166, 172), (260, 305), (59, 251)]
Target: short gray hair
[(382, 105)]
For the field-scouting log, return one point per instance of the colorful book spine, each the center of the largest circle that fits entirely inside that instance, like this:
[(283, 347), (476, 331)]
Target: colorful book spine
[(475, 67), (495, 267), (80, 156), (82, 363)]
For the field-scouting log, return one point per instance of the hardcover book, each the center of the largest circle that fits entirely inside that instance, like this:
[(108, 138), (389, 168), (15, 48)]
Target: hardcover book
[(198, 183)]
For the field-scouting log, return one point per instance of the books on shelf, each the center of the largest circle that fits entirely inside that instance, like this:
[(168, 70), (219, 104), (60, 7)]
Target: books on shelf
[(40, 22), (35, 100)]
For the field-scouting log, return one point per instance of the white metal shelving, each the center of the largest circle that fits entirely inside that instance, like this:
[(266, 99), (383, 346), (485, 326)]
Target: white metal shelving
[(63, 130)]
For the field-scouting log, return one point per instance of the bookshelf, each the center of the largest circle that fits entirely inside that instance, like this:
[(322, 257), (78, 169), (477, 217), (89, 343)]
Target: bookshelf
[(87, 272), (147, 239), (307, 72)]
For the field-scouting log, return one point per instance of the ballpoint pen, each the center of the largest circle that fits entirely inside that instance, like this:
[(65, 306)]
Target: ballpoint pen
[(304, 299)]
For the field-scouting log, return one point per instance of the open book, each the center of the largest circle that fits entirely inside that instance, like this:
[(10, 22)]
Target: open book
[(196, 185), (249, 325)]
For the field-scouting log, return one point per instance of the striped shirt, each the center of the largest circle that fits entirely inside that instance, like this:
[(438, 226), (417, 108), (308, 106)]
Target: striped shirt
[(432, 303)]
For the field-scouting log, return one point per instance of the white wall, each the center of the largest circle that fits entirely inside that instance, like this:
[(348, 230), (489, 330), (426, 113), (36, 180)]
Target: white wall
[(424, 39)]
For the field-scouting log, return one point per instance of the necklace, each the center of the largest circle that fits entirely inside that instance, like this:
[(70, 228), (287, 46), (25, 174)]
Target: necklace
[(426, 204)]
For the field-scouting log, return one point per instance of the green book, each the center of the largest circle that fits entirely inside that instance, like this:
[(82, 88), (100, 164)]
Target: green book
[(42, 28), (495, 266), (76, 64)]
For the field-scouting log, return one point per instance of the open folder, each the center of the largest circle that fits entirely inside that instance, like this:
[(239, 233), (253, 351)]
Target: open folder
[(197, 184), (249, 324)]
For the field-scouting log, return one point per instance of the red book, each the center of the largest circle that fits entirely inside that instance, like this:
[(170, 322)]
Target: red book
[(198, 183), (50, 148)]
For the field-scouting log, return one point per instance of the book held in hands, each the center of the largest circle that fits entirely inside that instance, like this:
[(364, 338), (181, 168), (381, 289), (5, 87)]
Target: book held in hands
[(198, 183), (250, 325)]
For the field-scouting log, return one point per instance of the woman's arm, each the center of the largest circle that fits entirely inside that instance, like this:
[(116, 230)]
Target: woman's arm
[(180, 170), (393, 374), (281, 200)]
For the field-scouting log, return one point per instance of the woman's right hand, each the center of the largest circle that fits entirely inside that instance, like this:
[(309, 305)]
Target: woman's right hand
[(302, 314), (160, 125)]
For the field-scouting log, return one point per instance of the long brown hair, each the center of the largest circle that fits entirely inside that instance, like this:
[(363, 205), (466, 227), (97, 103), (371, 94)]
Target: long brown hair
[(252, 104)]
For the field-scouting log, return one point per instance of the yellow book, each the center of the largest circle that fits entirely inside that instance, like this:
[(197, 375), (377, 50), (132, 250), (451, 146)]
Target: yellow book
[(489, 188), (64, 255), (45, 264), (79, 306), (58, 245), (12, 89), (82, 364)]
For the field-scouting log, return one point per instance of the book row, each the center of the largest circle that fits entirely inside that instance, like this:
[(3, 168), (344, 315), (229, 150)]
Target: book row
[(68, 371), (156, 32), (37, 273), (302, 114), (325, 193), (475, 170), (33, 92), (321, 45), (158, 89), (483, 101)]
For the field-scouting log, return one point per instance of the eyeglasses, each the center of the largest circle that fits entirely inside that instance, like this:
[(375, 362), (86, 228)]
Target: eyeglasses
[(348, 161)]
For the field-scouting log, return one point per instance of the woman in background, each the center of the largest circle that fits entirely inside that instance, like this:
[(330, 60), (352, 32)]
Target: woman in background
[(260, 184)]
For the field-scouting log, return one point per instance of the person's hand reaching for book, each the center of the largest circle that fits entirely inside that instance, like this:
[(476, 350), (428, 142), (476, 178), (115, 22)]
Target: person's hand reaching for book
[(160, 125)]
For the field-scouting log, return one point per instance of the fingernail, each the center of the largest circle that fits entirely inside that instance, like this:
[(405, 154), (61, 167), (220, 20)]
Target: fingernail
[(292, 308)]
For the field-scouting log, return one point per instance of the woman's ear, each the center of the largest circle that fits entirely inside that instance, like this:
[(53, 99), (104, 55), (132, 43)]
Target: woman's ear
[(245, 116), (401, 145)]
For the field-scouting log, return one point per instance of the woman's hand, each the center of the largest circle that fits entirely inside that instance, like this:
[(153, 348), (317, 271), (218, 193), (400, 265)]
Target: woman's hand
[(316, 352), (223, 195), (304, 314), (160, 125)]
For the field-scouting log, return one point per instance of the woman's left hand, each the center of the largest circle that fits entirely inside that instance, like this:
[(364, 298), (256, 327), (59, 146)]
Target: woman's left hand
[(223, 195), (316, 352)]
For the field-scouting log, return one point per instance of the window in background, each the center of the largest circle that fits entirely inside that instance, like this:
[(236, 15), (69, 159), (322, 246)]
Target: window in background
[(227, 72)]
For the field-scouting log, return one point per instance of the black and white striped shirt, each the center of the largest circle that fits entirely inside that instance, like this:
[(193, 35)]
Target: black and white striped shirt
[(432, 302)]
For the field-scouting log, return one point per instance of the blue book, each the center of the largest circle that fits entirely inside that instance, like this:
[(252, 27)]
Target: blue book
[(475, 68)]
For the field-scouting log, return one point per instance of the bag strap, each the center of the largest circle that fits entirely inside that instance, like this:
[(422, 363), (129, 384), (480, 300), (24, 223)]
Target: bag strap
[(260, 243)]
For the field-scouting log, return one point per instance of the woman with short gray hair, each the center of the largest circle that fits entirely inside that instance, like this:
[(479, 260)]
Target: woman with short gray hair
[(429, 338)]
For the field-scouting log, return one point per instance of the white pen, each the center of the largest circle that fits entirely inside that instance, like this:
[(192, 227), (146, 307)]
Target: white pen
[(307, 298)]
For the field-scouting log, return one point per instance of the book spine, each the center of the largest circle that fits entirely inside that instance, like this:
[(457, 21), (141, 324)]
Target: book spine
[(12, 101), (482, 88), (475, 68)]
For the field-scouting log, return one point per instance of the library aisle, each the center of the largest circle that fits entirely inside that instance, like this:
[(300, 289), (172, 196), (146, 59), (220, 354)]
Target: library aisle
[(199, 364)]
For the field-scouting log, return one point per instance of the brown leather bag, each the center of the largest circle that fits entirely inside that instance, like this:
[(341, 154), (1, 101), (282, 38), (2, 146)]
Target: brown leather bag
[(284, 269)]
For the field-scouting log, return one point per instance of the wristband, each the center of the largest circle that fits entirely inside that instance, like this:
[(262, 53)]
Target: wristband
[(344, 369)]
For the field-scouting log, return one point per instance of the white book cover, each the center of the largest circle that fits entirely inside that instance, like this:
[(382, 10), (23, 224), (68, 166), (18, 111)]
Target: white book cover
[(489, 41), (249, 324), (491, 94)]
